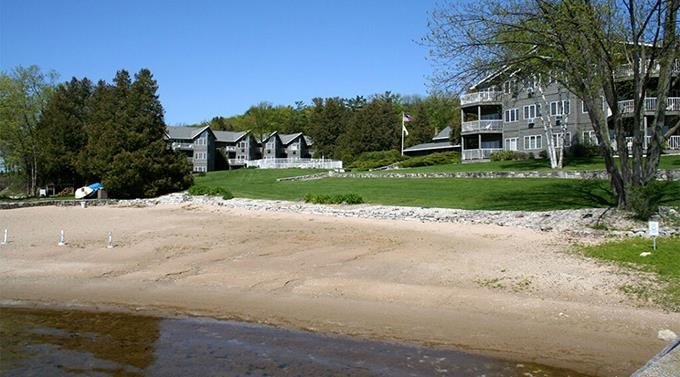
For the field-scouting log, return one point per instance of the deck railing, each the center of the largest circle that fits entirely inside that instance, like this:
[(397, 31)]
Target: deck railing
[(491, 125), (285, 163), (481, 97), (626, 70), (674, 143), (627, 106), (479, 154)]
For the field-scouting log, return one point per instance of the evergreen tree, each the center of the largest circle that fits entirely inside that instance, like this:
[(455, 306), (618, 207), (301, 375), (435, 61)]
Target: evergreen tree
[(61, 131), (126, 147)]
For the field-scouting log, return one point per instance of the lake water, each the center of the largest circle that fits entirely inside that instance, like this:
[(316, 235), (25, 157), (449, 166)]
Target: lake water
[(76, 343)]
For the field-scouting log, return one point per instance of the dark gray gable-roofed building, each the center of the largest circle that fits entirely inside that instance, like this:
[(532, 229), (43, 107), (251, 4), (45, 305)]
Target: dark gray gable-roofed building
[(295, 145), (272, 147), (237, 146), (198, 144), (440, 143)]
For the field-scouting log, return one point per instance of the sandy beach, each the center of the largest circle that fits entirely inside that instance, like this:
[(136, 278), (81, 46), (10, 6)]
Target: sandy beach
[(501, 291)]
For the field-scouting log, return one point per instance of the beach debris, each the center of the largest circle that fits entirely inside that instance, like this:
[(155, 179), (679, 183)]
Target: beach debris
[(646, 253), (109, 244), (4, 238), (61, 238), (667, 335)]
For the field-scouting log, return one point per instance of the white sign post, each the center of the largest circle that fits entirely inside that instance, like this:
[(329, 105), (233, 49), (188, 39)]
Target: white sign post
[(653, 232)]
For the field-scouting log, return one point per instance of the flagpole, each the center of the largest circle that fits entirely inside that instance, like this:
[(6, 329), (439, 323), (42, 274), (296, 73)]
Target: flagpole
[(402, 133)]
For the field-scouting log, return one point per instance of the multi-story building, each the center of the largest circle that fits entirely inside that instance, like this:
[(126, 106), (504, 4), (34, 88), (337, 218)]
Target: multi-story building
[(209, 150), (504, 112)]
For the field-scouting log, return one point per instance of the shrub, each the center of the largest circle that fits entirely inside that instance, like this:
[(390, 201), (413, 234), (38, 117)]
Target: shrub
[(579, 150), (211, 191), (372, 160), (543, 155), (509, 155), (333, 199), (432, 159), (644, 201)]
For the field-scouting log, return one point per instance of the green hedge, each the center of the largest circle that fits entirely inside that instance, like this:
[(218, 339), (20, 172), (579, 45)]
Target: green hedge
[(372, 160), (509, 156), (334, 199), (432, 159), (211, 191)]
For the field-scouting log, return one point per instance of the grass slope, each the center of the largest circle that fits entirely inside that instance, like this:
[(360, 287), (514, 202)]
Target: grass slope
[(666, 162), (664, 263)]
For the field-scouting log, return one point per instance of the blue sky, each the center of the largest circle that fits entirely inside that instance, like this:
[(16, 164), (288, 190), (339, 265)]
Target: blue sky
[(220, 57)]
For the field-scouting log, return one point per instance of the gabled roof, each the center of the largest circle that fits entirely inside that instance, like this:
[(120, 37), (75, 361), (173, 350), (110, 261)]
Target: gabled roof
[(289, 138), (229, 136), (187, 133), (443, 134), (273, 134)]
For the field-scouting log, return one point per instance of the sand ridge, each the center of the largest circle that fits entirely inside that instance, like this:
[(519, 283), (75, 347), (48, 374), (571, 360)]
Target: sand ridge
[(503, 291)]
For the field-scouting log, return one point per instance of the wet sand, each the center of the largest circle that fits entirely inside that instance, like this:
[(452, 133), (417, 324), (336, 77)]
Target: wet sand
[(504, 292)]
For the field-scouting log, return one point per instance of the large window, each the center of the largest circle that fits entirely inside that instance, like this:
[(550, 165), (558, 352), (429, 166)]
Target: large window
[(511, 115), (532, 142), (559, 108), (589, 138), (511, 144), (201, 141), (560, 142), (532, 111)]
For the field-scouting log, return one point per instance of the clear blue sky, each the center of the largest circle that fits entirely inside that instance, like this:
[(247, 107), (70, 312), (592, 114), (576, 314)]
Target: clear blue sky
[(220, 57)]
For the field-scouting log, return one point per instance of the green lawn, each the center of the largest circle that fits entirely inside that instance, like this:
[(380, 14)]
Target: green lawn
[(664, 263), (667, 162), (491, 194)]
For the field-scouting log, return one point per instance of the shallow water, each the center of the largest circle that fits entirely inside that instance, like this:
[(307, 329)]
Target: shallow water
[(72, 343)]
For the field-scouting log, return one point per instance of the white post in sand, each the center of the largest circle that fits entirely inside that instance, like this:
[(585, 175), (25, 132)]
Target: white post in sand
[(61, 238), (4, 238), (110, 242)]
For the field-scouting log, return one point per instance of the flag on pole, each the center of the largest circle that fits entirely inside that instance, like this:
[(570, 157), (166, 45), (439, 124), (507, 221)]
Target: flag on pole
[(405, 118)]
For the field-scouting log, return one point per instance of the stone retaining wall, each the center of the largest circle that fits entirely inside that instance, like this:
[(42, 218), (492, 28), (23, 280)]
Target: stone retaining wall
[(58, 203), (662, 175)]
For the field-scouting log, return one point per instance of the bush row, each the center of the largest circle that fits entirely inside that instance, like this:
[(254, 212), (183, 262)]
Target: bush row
[(510, 155), (333, 199), (211, 191), (372, 160), (432, 159)]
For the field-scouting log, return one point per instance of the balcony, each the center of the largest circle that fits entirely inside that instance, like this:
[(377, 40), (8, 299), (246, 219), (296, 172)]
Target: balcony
[(479, 154), (674, 142), (625, 71), (482, 126), (481, 97), (628, 107)]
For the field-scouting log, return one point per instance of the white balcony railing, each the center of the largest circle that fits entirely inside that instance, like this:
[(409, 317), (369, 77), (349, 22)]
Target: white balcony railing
[(627, 106), (479, 154), (491, 125), (626, 70), (674, 143), (481, 97), (177, 145), (286, 163)]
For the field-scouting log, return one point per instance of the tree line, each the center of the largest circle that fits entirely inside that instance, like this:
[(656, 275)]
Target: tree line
[(344, 128), (78, 132)]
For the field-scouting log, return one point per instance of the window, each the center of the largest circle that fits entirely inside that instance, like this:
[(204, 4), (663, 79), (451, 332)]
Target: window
[(559, 108), (200, 155), (511, 144), (589, 138), (532, 142), (559, 142), (584, 109), (200, 141), (530, 112), (511, 115)]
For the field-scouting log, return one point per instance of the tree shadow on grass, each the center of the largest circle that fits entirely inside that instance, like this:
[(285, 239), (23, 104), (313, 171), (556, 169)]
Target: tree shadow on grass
[(566, 194)]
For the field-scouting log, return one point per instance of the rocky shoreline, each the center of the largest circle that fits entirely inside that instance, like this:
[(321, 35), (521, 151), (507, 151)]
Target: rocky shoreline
[(590, 221)]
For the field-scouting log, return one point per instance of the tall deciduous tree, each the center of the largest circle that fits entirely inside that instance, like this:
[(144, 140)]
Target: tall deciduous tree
[(24, 93), (600, 50)]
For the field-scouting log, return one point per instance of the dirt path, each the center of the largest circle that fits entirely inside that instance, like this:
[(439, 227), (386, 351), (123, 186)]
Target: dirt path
[(495, 290)]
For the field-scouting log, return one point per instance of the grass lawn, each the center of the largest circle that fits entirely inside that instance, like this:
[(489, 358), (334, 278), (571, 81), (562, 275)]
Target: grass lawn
[(664, 263), (595, 163), (490, 194)]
